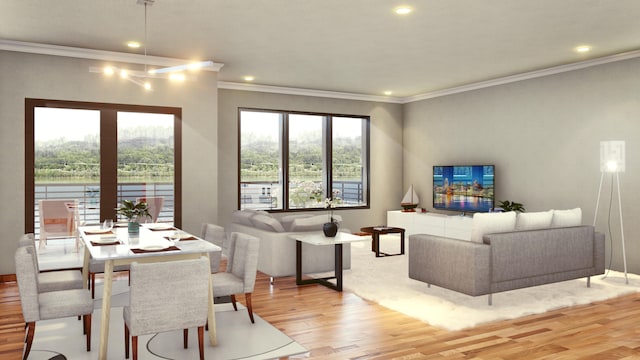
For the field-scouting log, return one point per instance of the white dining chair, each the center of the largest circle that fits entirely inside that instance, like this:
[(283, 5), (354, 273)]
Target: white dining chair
[(166, 296), (38, 306), (51, 280), (242, 266), (214, 234)]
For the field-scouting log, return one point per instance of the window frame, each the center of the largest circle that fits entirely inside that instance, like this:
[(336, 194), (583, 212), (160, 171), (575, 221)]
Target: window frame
[(327, 155), (108, 151)]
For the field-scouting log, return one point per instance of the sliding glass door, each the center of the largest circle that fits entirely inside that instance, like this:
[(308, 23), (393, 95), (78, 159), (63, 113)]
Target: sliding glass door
[(97, 155)]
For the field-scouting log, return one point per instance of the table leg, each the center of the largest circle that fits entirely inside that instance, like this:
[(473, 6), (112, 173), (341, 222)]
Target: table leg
[(402, 243), (325, 280), (85, 268), (106, 309), (298, 262), (211, 316), (338, 265), (375, 243)]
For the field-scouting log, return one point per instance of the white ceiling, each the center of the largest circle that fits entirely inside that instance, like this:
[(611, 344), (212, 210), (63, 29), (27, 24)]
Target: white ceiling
[(354, 46)]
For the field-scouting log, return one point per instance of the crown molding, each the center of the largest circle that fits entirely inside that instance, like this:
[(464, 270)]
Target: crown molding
[(306, 92), (524, 76), (56, 50), (437, 93), (67, 51)]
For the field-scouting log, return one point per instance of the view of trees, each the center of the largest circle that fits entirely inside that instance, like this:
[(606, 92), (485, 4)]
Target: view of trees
[(139, 158), (260, 158)]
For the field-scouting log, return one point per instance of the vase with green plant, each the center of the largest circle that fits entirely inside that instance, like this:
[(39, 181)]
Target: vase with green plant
[(134, 212), (507, 205)]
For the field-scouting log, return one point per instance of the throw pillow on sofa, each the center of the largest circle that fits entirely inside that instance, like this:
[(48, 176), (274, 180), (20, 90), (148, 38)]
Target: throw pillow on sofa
[(564, 218), (266, 222), (312, 223), (287, 220), (534, 220), (244, 216), (492, 223)]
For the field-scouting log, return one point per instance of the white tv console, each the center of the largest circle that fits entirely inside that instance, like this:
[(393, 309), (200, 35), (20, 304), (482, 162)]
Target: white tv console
[(451, 226)]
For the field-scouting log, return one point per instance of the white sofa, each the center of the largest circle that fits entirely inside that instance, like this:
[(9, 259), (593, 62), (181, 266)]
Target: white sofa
[(278, 250)]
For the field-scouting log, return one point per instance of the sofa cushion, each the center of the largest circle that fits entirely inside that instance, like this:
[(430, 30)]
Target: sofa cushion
[(287, 220), (564, 218), (491, 223), (244, 216), (312, 223), (266, 222), (534, 220)]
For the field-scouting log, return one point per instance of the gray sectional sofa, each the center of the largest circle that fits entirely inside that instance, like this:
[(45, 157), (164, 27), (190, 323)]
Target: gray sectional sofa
[(508, 260)]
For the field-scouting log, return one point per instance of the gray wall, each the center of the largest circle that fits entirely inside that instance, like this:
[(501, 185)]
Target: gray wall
[(543, 136), (386, 148), (50, 77)]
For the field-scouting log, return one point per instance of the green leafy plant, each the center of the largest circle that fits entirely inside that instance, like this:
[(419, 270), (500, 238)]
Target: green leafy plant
[(507, 205), (133, 211)]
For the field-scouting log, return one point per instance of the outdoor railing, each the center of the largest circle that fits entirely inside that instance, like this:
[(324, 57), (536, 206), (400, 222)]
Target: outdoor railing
[(263, 195), (88, 196)]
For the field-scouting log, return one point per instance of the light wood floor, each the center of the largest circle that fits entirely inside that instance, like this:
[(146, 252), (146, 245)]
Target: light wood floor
[(336, 325)]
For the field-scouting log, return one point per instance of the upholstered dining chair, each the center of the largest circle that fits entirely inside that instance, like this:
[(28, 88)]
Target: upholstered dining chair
[(51, 280), (214, 234), (166, 296), (242, 265), (155, 204), (58, 219), (49, 305)]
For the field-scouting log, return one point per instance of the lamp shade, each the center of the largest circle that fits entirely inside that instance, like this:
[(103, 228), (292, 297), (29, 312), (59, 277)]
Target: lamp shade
[(612, 156)]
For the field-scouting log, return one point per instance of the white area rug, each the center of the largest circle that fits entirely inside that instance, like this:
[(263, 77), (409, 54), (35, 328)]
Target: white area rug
[(385, 281), (237, 337)]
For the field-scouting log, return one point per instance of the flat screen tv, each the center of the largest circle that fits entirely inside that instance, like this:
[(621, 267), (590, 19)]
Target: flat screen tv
[(466, 188)]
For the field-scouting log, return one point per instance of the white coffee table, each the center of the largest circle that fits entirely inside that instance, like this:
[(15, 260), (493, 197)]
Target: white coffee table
[(318, 239)]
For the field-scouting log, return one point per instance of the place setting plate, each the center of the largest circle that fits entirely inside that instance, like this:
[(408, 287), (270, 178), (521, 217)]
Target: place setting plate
[(105, 240), (97, 231), (154, 247), (159, 227)]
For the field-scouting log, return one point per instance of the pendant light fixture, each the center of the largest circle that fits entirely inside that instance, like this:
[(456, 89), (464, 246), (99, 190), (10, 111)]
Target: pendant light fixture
[(141, 78)]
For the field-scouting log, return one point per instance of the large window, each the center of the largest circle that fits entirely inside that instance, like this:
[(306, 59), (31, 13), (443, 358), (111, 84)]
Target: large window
[(293, 160), (99, 155)]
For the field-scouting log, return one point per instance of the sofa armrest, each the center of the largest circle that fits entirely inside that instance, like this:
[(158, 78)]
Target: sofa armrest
[(453, 264), (277, 255)]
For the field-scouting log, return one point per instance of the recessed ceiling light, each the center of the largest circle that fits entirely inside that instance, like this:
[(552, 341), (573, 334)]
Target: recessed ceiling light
[(249, 78), (388, 93), (403, 10), (133, 44), (583, 48)]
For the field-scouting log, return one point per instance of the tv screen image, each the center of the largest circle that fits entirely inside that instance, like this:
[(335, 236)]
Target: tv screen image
[(468, 188)]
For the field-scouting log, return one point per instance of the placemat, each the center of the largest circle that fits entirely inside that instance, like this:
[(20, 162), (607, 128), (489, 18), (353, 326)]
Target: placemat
[(115, 242), (142, 251), (98, 232), (182, 239)]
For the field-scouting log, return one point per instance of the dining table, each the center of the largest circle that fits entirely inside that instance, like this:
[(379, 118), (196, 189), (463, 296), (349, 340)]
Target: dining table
[(154, 242)]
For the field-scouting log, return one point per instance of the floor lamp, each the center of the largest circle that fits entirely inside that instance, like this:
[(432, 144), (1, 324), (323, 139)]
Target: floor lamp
[(612, 161)]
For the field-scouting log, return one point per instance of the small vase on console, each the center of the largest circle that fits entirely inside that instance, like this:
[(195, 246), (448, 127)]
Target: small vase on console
[(330, 229)]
